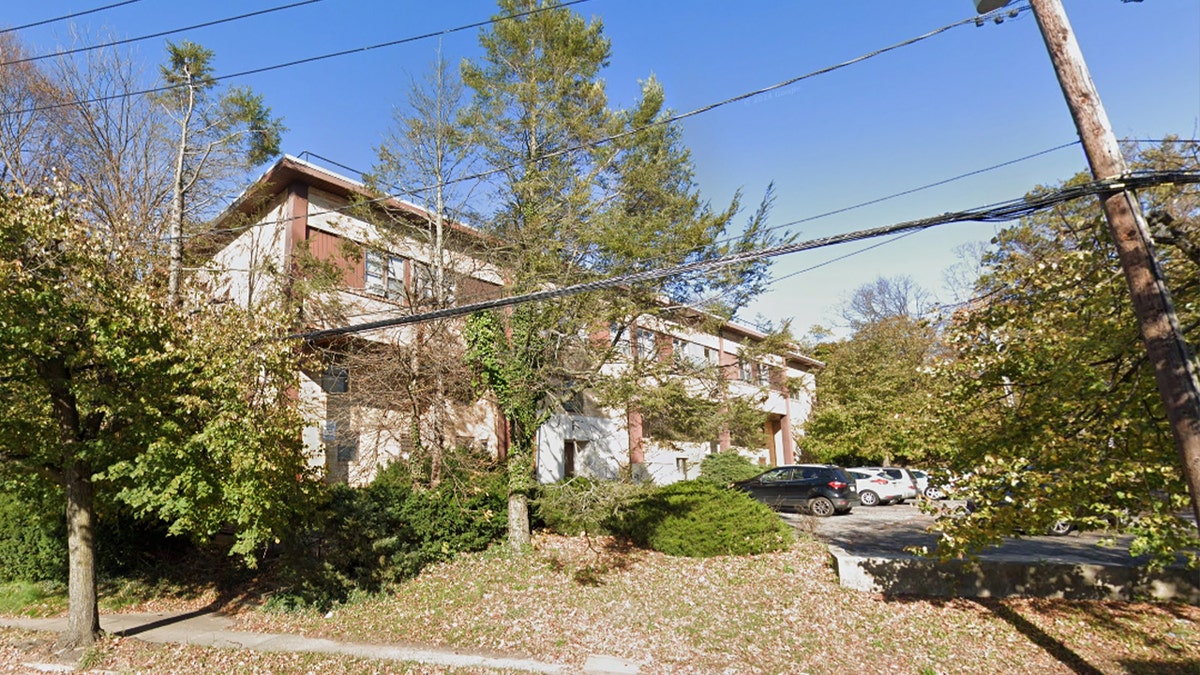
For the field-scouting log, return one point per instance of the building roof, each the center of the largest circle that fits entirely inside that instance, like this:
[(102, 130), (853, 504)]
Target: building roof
[(289, 170)]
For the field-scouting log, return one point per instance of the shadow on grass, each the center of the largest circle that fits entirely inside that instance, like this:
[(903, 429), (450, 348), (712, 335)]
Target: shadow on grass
[(608, 555), (1157, 667), (1053, 646)]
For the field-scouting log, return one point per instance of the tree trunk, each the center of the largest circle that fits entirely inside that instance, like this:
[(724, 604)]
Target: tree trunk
[(175, 226), (518, 522), (520, 484), (83, 618)]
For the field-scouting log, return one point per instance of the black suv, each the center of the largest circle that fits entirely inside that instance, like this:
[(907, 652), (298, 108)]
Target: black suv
[(821, 489)]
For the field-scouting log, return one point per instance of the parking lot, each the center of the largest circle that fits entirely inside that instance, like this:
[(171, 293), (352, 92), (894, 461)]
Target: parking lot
[(889, 530)]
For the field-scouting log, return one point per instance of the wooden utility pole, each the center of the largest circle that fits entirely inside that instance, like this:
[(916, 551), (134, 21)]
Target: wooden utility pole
[(1174, 370)]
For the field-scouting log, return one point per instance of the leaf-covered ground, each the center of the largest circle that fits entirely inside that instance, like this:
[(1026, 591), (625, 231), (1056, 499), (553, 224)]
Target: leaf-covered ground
[(778, 613)]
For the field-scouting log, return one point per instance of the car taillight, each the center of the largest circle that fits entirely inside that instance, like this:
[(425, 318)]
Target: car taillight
[(837, 485)]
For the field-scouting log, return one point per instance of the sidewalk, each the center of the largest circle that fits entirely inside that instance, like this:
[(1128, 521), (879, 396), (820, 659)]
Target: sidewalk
[(211, 629)]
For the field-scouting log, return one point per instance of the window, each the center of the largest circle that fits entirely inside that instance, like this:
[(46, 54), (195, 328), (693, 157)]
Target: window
[(617, 334), (423, 284), (745, 370), (764, 374), (384, 275), (681, 465), (573, 403), (645, 344), (679, 350), (335, 380), (347, 450)]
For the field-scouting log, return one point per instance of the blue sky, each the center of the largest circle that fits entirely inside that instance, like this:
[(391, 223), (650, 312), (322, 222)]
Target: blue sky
[(966, 99)]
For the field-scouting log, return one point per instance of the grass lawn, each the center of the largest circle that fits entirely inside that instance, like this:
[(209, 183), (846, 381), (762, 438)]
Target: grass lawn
[(776, 613)]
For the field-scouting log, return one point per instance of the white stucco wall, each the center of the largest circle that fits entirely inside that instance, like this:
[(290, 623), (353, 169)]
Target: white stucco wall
[(605, 452)]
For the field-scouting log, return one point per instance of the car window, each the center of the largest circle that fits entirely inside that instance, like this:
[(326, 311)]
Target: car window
[(809, 473), (776, 475)]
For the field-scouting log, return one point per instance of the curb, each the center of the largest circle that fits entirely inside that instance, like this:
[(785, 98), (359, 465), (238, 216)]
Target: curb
[(984, 578)]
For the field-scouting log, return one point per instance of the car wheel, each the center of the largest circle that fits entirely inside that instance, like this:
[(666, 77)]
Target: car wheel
[(868, 498), (821, 507), (1061, 527), (933, 493)]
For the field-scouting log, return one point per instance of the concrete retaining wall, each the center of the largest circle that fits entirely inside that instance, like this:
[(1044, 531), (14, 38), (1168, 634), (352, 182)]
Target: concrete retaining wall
[(911, 575)]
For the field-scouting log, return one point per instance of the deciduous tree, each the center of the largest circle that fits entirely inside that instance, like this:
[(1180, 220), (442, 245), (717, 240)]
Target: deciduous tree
[(1048, 389), (872, 398), (113, 397)]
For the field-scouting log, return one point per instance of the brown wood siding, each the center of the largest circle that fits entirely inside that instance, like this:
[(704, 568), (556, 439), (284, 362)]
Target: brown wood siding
[(331, 248), (472, 290)]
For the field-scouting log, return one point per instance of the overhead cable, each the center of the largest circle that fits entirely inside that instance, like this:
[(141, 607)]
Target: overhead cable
[(1002, 212), (311, 59), (692, 113), (125, 41), (43, 22)]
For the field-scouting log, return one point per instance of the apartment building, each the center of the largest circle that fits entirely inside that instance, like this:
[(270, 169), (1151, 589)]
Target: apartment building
[(379, 256)]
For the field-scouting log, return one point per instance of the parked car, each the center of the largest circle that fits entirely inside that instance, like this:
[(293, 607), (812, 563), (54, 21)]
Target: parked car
[(875, 488), (926, 486), (907, 482), (820, 489)]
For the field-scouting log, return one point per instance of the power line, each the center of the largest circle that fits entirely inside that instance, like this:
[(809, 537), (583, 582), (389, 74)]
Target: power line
[(845, 209), (311, 59), (735, 99), (692, 113), (1002, 212), (151, 36), (67, 16)]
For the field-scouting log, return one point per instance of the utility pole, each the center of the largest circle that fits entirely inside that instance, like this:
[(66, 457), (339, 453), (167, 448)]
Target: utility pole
[(1174, 370)]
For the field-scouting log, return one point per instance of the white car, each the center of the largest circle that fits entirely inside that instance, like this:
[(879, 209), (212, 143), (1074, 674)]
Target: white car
[(875, 488), (907, 482), (925, 487)]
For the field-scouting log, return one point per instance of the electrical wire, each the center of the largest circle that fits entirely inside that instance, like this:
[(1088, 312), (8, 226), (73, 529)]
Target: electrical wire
[(718, 296), (85, 12), (671, 119), (311, 59), (692, 113), (1001, 212), (140, 38)]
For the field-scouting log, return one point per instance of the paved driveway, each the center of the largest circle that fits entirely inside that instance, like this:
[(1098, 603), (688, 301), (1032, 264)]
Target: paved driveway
[(889, 530)]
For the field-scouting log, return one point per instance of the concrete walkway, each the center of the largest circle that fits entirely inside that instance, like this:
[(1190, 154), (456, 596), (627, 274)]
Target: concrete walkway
[(211, 629)]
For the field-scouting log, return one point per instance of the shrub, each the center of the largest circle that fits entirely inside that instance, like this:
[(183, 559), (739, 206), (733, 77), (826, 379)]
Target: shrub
[(699, 520), (727, 467), (580, 505), (366, 538), (33, 541)]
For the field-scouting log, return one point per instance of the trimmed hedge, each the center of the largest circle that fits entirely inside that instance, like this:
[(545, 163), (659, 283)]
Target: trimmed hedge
[(723, 468), (697, 519)]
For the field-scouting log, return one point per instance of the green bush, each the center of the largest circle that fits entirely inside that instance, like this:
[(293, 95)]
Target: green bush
[(366, 538), (580, 505), (700, 520), (33, 540), (727, 467)]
